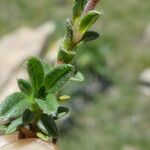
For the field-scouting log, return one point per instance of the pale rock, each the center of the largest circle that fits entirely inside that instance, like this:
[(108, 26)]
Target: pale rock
[(29, 144), (15, 48), (146, 36)]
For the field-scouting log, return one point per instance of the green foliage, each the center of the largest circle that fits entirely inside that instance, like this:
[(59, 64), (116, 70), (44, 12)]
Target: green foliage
[(77, 31), (36, 104)]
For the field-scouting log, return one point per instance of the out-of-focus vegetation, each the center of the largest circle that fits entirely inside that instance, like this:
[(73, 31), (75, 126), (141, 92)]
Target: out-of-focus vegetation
[(117, 119)]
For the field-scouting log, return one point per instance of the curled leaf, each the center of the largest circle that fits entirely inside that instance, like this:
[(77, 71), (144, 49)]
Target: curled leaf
[(61, 112), (88, 20), (90, 35)]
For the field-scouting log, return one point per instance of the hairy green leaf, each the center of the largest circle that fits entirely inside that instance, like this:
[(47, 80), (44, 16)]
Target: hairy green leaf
[(49, 105), (36, 72), (78, 77), (14, 105), (24, 86), (50, 125), (66, 56), (67, 41), (58, 77), (14, 126), (88, 20), (28, 116), (78, 6), (90, 35)]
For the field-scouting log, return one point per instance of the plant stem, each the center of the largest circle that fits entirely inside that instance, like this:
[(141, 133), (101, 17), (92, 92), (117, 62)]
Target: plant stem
[(90, 5)]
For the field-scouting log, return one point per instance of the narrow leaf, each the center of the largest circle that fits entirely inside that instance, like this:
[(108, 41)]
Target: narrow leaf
[(90, 35), (49, 106), (14, 105), (58, 77), (36, 72), (88, 20), (49, 125), (24, 86), (14, 126)]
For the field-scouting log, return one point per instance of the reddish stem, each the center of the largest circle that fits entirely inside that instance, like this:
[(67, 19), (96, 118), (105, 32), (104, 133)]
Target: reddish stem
[(91, 4)]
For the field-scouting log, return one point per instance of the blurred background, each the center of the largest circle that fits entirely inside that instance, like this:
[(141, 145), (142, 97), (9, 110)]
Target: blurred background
[(110, 110)]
